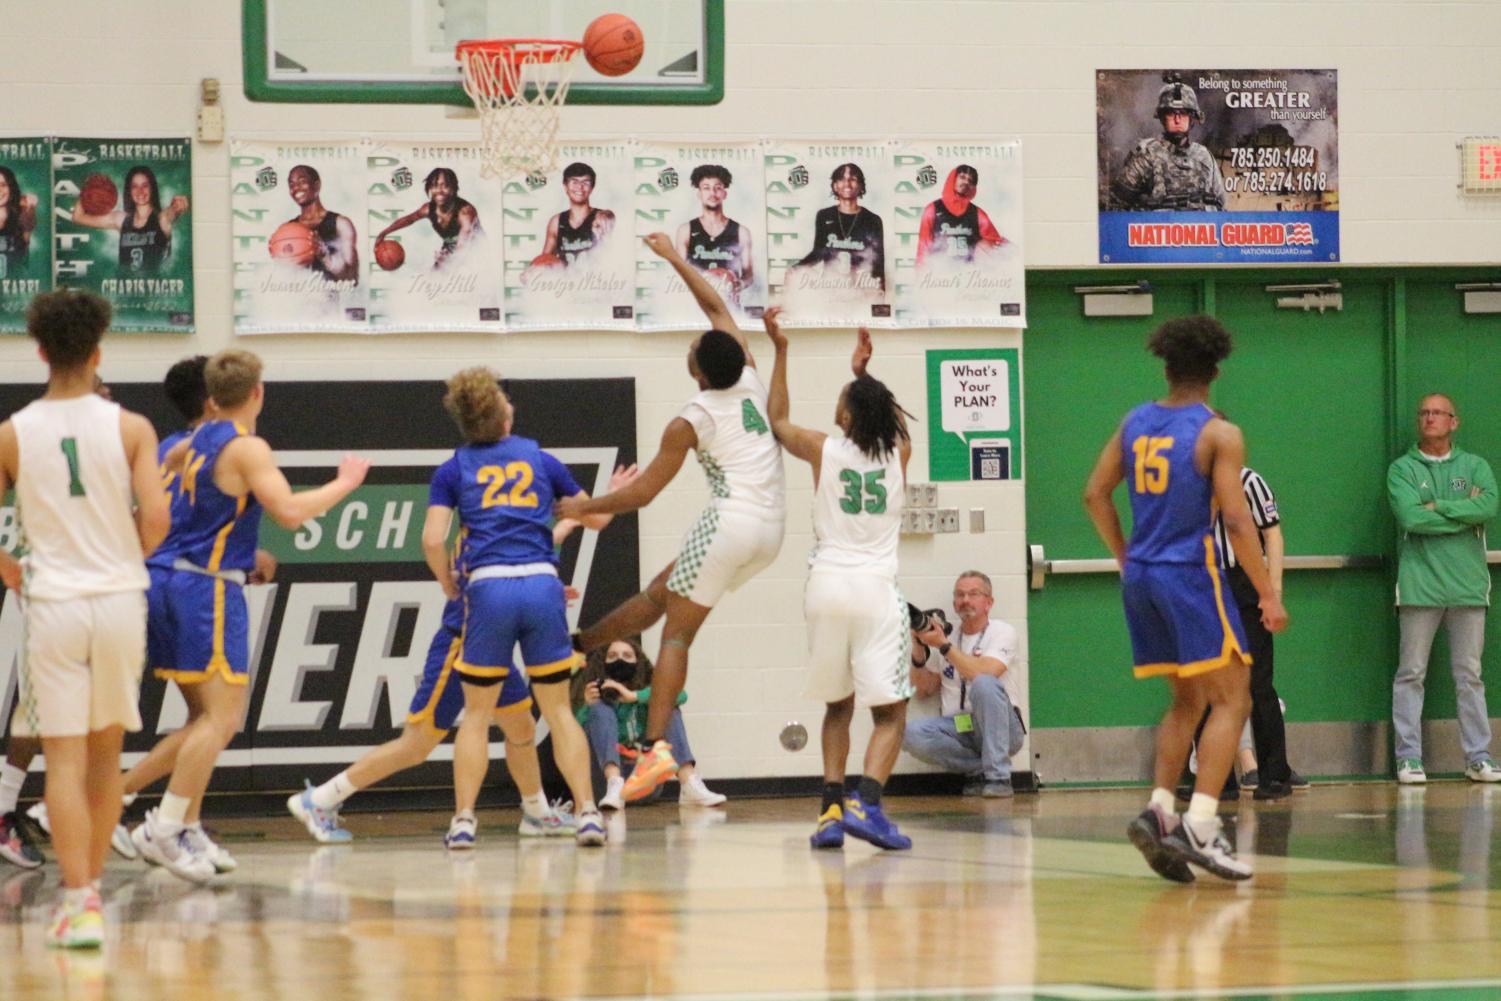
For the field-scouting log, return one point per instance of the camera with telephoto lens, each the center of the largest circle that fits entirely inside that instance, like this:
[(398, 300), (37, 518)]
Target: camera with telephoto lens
[(617, 670), (918, 619)]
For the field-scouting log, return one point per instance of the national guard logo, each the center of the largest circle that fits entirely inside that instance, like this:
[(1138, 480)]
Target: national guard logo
[(668, 178), (798, 176), (536, 180), (927, 176), (1459, 484), (402, 178), (265, 178)]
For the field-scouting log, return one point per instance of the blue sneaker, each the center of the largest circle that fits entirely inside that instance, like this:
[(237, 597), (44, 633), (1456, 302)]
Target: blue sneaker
[(322, 824), (830, 833), (866, 822)]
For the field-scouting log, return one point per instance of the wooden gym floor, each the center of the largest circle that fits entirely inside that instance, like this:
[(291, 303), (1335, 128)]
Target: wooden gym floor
[(1362, 891)]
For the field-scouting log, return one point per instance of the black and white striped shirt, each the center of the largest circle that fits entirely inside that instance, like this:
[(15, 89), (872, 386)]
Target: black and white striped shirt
[(1263, 512)]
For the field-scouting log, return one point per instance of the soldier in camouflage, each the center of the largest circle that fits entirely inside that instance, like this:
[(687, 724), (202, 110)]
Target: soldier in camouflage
[(1171, 172)]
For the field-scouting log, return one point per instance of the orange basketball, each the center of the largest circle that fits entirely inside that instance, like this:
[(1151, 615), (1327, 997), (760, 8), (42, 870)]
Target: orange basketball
[(98, 194), (613, 44), (547, 261), (293, 243), (389, 255)]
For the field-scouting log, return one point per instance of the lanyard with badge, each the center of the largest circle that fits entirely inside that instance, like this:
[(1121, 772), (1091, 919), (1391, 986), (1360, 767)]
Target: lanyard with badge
[(965, 722)]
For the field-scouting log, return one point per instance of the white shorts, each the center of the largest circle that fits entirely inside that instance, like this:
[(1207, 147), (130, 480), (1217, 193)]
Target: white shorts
[(859, 640), (723, 550), (81, 666)]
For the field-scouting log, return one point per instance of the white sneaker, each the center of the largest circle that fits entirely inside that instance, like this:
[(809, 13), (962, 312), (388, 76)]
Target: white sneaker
[(557, 822), (1484, 770), (121, 843), (1213, 854), (177, 851), (213, 851), (1410, 772), (695, 793), (38, 813), (461, 832), (612, 800)]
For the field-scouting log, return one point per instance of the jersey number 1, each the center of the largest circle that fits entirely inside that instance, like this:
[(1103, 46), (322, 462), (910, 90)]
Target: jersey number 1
[(70, 452), (1151, 464)]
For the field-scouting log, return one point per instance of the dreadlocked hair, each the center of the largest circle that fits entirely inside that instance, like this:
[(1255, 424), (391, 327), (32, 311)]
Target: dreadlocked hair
[(877, 422), (477, 405)]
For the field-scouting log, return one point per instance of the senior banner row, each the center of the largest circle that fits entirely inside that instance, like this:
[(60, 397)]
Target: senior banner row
[(374, 237)]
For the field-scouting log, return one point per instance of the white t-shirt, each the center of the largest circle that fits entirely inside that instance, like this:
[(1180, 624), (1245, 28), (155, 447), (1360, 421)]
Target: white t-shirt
[(741, 458), (997, 639), (857, 510), (74, 500)]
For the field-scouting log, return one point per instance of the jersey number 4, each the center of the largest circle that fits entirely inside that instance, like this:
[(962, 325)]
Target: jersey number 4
[(1151, 464), (751, 418), (518, 475), (870, 485), (70, 452)]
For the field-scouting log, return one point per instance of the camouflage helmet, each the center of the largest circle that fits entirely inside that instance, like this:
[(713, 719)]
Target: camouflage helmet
[(1176, 96)]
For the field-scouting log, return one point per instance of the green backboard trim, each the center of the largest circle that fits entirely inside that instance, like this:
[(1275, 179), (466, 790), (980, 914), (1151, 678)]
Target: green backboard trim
[(260, 87)]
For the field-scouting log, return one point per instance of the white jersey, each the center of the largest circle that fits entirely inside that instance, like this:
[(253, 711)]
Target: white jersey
[(857, 510), (740, 455), (74, 500)]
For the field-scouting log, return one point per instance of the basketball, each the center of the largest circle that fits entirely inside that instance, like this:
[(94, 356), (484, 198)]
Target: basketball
[(613, 44), (547, 261), (389, 255), (293, 243), (98, 194)]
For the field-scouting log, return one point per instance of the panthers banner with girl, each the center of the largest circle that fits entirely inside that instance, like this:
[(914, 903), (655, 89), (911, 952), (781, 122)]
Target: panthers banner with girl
[(25, 227)]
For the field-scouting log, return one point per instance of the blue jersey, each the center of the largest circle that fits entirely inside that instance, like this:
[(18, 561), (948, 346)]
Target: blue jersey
[(165, 553), (503, 493), (1171, 501), (218, 531)]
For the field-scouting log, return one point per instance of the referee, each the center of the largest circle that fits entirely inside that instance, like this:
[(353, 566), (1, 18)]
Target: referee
[(1274, 775)]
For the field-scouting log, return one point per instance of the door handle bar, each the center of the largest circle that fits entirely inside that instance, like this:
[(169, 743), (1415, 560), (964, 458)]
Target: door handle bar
[(1039, 566)]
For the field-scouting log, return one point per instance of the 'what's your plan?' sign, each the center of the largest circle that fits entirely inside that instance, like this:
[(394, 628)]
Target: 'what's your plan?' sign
[(974, 413)]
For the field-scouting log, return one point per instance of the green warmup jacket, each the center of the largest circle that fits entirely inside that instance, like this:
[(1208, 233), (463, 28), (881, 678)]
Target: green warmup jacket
[(1441, 556)]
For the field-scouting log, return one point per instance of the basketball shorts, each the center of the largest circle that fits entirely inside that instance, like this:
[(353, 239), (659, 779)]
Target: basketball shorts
[(158, 635), (440, 696), (859, 640), (722, 551), (81, 665), (1179, 619), (204, 629), (501, 612)]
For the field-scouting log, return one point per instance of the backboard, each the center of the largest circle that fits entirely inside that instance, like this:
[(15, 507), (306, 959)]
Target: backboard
[(402, 51)]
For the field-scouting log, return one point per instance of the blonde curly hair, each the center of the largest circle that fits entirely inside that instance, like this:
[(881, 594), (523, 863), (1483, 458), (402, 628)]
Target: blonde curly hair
[(477, 405)]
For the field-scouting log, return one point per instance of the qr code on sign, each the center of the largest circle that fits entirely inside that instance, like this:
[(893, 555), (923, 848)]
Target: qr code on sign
[(990, 469)]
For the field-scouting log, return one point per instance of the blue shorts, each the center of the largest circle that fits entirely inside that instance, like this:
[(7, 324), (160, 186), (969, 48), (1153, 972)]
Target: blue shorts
[(197, 626), (440, 696), (500, 612), (1179, 619)]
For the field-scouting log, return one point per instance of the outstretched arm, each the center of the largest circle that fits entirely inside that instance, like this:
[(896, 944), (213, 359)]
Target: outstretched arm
[(619, 480), (677, 441), (802, 442), (708, 300), (108, 220), (251, 462), (402, 223)]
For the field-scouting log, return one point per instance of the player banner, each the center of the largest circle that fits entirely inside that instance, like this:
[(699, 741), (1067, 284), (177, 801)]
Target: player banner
[(711, 200), (297, 211), (827, 210), (1218, 166), (956, 229), (124, 229), (433, 253), (25, 227), (570, 254), (338, 640)]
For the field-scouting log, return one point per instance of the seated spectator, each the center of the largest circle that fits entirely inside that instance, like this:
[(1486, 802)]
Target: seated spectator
[(979, 728), (609, 698)]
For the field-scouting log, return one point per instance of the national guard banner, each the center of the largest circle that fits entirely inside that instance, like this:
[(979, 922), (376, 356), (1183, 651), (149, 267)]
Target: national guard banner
[(122, 209), (827, 218), (433, 251), (709, 198), (570, 253), (298, 211), (1218, 166), (338, 640), (25, 227), (956, 230)]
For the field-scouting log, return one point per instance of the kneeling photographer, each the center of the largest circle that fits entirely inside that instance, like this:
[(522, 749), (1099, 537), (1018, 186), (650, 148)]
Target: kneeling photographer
[(979, 727), (609, 699)]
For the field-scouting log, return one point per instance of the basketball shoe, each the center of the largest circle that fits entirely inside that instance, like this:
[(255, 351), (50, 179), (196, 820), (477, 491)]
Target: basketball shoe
[(653, 767)]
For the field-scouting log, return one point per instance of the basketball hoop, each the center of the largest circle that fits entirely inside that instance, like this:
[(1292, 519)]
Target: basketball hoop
[(518, 86)]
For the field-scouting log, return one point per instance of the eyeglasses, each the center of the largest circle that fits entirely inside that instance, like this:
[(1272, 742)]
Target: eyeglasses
[(1425, 414), (969, 594)]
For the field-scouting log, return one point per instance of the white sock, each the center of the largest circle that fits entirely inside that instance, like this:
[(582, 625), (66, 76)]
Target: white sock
[(1203, 811), (173, 810), (129, 798), (464, 815), (333, 792), (1163, 800), (535, 805), (11, 780), (74, 899), (615, 782), (588, 807)]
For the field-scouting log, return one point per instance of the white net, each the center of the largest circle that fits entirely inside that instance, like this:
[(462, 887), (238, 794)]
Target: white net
[(518, 88)]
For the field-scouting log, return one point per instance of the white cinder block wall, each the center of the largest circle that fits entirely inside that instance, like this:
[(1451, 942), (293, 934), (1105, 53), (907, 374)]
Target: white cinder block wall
[(1414, 77)]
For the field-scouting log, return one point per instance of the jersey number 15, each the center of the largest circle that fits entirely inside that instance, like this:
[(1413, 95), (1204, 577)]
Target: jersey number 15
[(1151, 464)]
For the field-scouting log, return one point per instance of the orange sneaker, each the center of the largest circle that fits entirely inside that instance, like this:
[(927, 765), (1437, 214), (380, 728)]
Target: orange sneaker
[(652, 769)]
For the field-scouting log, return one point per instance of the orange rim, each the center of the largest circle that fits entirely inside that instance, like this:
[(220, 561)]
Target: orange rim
[(512, 50)]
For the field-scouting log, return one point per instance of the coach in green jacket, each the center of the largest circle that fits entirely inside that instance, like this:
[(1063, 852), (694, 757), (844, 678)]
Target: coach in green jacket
[(1442, 497)]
